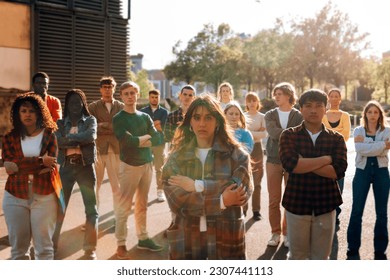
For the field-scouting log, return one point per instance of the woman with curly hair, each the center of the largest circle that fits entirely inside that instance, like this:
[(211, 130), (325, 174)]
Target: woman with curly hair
[(207, 179), (31, 194)]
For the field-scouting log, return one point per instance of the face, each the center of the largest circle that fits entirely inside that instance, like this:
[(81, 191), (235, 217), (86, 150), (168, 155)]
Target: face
[(281, 98), (233, 116), (334, 99), (252, 104), (75, 105), (41, 85), (203, 124), (313, 112), (225, 94), (129, 96), (373, 114), (28, 115), (186, 97), (107, 91), (154, 99)]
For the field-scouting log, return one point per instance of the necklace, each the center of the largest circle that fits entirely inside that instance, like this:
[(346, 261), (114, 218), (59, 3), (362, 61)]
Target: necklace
[(31, 134)]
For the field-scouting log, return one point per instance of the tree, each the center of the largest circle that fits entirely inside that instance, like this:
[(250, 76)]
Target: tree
[(383, 76), (328, 46), (206, 58), (141, 78), (268, 52)]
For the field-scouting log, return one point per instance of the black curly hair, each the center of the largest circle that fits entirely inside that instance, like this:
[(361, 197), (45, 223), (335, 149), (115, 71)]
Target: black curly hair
[(44, 119)]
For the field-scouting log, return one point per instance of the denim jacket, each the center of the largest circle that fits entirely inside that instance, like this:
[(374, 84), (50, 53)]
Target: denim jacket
[(84, 139)]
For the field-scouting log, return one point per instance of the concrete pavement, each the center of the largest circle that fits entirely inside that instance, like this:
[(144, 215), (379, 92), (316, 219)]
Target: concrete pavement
[(258, 233)]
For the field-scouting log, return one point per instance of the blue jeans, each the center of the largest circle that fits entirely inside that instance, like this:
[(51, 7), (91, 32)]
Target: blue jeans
[(379, 177), (86, 179)]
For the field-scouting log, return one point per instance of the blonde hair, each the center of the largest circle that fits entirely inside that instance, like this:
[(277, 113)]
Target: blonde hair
[(225, 84)]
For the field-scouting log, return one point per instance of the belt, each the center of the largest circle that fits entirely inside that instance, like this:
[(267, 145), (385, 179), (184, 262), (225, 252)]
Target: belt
[(74, 159)]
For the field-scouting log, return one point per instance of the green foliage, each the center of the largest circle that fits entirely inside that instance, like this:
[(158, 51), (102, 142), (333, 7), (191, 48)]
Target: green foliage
[(141, 78)]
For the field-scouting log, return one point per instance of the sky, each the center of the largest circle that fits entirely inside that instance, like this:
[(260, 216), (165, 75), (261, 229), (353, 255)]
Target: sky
[(156, 25)]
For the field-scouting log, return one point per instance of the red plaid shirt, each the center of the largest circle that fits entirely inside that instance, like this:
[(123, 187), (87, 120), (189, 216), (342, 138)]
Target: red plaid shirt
[(17, 184), (310, 193)]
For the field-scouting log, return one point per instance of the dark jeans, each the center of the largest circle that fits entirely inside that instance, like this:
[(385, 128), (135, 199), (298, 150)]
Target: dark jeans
[(379, 177), (86, 179)]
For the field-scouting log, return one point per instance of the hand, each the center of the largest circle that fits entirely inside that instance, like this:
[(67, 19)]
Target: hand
[(49, 161), (11, 167), (157, 125), (328, 159), (146, 144), (262, 129), (387, 143), (183, 182), (359, 139), (235, 197)]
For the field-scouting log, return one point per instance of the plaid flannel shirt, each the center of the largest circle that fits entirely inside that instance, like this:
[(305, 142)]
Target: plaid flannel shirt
[(225, 228), (310, 193), (174, 119), (17, 184)]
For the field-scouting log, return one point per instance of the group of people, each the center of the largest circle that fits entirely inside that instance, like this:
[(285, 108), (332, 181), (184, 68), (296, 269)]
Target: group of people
[(213, 169)]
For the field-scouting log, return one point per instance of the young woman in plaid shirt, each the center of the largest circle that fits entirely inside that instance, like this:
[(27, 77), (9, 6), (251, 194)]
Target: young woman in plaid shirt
[(30, 202), (207, 179)]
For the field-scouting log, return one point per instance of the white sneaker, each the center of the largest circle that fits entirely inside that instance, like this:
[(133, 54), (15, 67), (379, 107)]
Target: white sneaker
[(286, 243), (274, 241), (161, 196)]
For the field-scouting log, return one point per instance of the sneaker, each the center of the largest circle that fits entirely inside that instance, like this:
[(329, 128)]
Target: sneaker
[(286, 243), (89, 255), (122, 253), (148, 244), (274, 241), (160, 196), (256, 216)]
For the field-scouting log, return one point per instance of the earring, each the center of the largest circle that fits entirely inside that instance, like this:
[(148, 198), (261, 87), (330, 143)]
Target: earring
[(190, 128), (217, 129)]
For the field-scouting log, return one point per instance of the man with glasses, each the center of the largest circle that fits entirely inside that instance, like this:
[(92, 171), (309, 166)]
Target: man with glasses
[(107, 144)]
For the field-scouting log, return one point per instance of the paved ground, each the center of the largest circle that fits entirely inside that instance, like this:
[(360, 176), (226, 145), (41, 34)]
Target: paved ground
[(258, 233)]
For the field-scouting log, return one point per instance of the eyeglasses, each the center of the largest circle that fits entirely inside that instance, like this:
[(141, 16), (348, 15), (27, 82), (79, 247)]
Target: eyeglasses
[(107, 87)]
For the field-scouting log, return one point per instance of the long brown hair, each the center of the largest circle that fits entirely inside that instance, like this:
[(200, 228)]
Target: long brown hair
[(44, 119), (184, 133), (381, 121)]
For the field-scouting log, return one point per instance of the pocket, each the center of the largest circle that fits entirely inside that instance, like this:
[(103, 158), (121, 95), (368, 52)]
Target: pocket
[(176, 244), (232, 237)]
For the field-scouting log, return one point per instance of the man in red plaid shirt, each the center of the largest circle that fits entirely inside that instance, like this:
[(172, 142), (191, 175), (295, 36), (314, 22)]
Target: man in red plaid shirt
[(315, 158)]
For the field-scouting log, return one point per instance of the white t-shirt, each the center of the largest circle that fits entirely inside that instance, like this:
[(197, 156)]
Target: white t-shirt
[(283, 117), (31, 145), (201, 154)]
